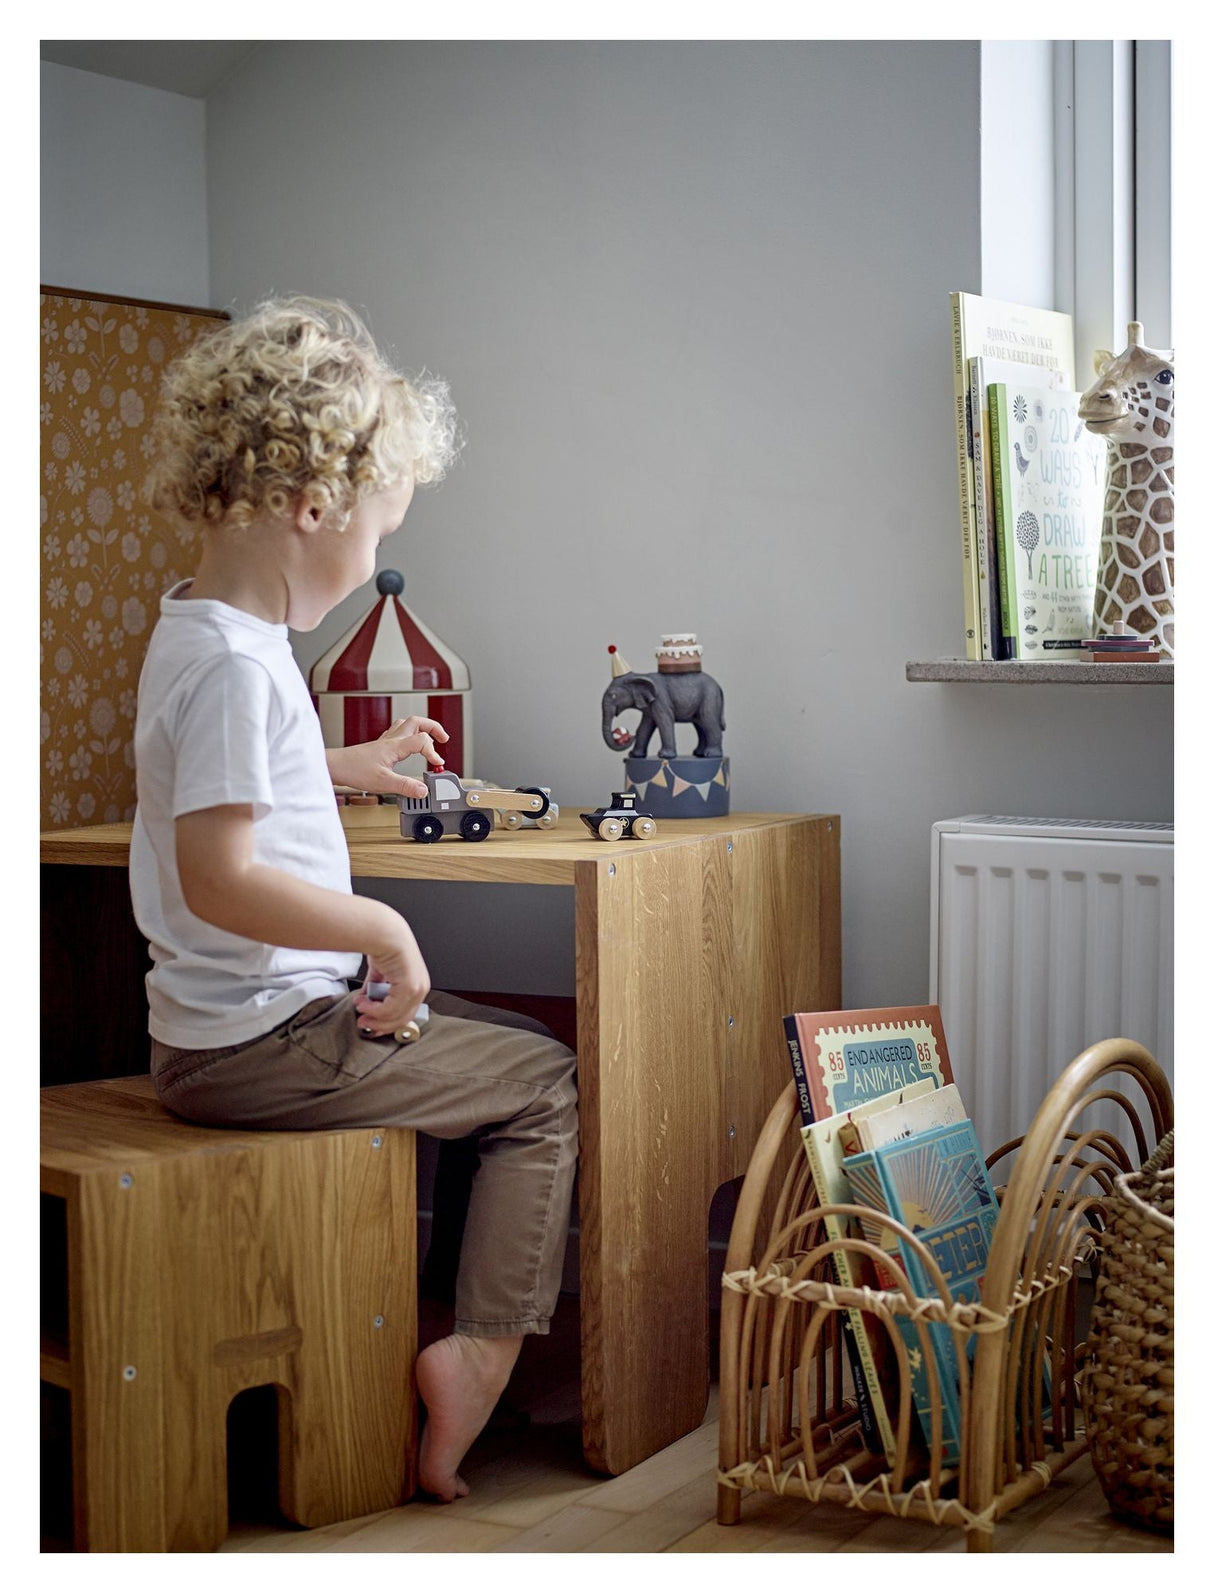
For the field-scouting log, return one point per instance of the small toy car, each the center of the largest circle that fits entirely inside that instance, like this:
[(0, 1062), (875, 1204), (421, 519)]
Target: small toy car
[(470, 808), (620, 819)]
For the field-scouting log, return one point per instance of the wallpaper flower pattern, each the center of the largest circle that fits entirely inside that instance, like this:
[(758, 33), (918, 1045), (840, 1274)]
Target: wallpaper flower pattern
[(105, 558)]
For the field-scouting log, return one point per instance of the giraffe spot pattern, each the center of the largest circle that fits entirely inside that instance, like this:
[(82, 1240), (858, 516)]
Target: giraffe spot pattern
[(1127, 529), (1136, 563)]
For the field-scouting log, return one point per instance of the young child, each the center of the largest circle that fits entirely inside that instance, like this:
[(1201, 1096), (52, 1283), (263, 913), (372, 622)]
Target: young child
[(291, 446)]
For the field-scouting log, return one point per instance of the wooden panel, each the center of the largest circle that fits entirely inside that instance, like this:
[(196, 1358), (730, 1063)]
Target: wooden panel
[(687, 960), (54, 1366), (291, 1250), (121, 1122), (786, 951), (650, 1048), (114, 1303), (352, 1410), (534, 857), (102, 845)]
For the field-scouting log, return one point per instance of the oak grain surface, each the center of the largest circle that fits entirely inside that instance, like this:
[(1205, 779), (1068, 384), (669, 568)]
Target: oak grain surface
[(202, 1262), (690, 948)]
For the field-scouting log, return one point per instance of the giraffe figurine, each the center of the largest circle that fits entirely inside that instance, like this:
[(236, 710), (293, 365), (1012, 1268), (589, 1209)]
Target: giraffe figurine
[(1131, 404)]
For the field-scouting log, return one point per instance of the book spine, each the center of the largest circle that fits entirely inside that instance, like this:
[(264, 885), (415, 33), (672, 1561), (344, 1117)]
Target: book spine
[(1004, 530), (873, 1439), (874, 1416), (965, 485), (987, 578), (804, 1103)]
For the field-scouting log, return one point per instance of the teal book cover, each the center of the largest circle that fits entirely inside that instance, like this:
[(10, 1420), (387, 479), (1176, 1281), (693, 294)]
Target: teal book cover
[(936, 1184)]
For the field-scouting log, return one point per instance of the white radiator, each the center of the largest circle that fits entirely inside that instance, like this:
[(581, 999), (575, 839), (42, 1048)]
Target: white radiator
[(1046, 936)]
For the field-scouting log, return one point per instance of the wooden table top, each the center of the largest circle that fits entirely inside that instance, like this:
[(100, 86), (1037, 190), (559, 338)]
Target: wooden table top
[(527, 856)]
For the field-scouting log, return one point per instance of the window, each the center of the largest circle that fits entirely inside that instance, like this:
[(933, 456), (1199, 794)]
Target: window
[(1113, 189)]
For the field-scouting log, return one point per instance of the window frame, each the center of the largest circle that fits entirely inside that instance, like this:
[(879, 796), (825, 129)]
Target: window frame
[(1113, 129)]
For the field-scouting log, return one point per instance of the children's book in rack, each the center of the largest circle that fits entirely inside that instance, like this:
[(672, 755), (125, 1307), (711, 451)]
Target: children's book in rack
[(789, 1420)]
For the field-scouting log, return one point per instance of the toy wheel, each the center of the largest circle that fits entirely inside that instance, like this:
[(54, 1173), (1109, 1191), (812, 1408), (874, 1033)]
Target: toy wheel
[(644, 829), (610, 829), (534, 790), (546, 821), (513, 820), (427, 828), (475, 826)]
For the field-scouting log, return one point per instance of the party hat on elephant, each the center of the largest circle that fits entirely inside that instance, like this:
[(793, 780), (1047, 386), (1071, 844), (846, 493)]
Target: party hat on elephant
[(618, 666)]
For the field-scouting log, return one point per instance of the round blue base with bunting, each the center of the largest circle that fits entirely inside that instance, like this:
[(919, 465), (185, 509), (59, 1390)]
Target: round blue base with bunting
[(679, 788)]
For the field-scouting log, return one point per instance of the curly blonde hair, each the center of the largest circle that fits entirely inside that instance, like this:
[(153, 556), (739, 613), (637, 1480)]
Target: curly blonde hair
[(295, 400)]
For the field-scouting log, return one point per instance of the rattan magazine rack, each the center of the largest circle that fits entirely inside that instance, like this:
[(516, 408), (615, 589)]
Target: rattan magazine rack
[(789, 1422)]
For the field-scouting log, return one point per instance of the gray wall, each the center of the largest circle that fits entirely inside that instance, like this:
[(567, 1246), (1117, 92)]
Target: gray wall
[(123, 188), (693, 303)]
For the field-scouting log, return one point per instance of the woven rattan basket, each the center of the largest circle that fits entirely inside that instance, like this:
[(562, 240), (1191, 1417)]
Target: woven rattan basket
[(789, 1421), (1128, 1384)]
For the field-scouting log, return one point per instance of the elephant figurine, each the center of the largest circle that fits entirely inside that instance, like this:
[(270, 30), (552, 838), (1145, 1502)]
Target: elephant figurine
[(665, 700)]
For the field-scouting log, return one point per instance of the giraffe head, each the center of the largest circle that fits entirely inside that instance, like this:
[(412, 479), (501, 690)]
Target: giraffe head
[(1132, 398)]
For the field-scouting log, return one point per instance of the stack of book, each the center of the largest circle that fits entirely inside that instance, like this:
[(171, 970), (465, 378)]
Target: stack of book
[(883, 1127), (1030, 479)]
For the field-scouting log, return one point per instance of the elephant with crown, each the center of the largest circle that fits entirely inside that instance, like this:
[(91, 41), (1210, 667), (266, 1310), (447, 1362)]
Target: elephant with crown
[(682, 695)]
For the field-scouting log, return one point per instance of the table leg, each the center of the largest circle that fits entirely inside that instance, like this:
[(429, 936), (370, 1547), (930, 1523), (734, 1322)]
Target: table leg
[(687, 958)]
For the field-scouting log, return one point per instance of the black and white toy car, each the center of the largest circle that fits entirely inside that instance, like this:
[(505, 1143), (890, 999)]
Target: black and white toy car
[(620, 820)]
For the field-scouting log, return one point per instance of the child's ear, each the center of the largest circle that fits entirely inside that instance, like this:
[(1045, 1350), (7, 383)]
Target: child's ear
[(306, 516)]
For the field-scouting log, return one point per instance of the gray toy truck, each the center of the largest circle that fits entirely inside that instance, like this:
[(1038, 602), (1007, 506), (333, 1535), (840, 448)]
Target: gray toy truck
[(453, 808)]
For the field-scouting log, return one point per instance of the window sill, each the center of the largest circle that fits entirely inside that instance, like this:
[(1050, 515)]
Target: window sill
[(959, 671)]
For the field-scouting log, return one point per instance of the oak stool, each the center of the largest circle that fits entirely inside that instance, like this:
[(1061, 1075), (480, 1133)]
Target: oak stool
[(204, 1261)]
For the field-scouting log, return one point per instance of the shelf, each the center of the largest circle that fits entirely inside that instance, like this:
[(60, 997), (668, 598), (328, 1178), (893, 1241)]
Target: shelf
[(959, 671)]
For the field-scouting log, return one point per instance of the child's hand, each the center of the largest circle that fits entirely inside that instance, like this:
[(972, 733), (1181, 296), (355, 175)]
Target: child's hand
[(397, 962), (369, 765)]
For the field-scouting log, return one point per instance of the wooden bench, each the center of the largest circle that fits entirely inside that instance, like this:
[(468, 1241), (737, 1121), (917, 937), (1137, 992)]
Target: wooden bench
[(201, 1262)]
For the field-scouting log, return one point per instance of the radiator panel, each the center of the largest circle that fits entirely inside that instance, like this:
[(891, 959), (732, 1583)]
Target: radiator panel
[(1047, 936)]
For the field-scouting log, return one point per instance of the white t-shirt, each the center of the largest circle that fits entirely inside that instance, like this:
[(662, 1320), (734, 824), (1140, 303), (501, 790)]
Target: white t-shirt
[(224, 716)]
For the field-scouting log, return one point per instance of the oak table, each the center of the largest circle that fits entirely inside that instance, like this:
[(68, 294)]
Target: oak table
[(689, 949)]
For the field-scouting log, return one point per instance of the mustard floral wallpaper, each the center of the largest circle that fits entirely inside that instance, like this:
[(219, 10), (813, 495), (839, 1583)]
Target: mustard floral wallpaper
[(105, 558)]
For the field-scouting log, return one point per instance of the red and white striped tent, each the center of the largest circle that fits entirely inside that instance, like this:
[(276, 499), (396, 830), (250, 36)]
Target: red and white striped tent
[(388, 666)]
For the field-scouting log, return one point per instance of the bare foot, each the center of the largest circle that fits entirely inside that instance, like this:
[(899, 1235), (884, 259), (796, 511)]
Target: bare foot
[(459, 1379)]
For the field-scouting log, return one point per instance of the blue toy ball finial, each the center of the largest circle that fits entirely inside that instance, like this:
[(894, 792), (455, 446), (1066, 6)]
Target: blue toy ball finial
[(390, 583)]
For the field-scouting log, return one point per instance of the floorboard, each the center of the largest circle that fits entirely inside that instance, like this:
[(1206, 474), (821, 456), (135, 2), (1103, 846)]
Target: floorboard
[(531, 1493)]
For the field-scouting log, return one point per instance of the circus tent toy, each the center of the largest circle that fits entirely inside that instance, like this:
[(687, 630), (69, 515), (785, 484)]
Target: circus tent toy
[(388, 666)]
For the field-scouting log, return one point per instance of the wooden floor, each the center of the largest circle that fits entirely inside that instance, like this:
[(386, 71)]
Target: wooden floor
[(531, 1493)]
